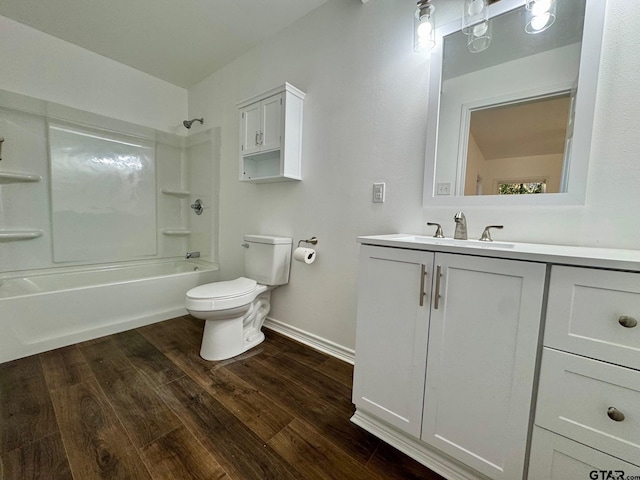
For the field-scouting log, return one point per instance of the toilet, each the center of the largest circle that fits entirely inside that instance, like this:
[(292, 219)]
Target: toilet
[(234, 310)]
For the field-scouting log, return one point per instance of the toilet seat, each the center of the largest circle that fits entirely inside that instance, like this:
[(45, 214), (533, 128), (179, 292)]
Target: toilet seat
[(223, 295)]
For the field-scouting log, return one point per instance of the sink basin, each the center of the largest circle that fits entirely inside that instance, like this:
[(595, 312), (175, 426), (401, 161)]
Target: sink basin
[(454, 242)]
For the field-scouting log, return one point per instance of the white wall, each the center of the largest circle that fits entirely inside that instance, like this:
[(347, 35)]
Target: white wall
[(365, 120), (42, 66)]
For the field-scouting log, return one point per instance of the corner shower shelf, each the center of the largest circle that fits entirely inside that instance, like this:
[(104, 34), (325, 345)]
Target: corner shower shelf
[(176, 232), (16, 177), (176, 193), (12, 235)]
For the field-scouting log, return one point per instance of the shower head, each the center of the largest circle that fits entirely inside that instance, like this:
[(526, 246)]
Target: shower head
[(187, 123)]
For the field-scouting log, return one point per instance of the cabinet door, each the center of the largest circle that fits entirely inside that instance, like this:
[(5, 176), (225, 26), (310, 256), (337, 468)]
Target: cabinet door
[(271, 123), (554, 457), (250, 128), (391, 335), (483, 340)]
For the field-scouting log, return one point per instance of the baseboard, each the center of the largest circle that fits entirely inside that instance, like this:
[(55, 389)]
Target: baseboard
[(322, 344), (418, 450)]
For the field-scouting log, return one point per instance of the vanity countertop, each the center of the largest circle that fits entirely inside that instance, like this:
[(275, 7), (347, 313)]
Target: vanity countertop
[(594, 257)]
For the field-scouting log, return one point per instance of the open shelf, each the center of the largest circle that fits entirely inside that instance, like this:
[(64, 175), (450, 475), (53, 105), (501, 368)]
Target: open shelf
[(176, 232), (176, 193), (7, 235), (17, 177)]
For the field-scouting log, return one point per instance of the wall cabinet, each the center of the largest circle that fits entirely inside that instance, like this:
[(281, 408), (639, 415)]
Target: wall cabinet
[(261, 123), (271, 135)]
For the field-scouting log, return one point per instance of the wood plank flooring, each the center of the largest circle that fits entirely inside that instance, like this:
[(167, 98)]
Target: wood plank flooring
[(143, 405)]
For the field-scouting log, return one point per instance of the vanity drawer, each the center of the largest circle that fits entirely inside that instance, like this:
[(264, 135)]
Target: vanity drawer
[(592, 402), (595, 313), (554, 457)]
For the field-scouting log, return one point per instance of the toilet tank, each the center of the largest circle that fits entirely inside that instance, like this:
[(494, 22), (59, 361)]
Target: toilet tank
[(267, 259)]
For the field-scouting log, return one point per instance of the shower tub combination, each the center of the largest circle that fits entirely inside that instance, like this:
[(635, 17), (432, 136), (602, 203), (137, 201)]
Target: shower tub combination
[(43, 310)]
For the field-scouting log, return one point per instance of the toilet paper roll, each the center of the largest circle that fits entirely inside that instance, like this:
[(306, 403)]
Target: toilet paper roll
[(306, 255)]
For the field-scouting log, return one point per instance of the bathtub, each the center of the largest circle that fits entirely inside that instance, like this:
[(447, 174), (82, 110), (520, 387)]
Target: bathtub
[(43, 310)]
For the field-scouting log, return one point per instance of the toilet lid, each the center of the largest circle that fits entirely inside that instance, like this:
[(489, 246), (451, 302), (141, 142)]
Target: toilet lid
[(229, 289)]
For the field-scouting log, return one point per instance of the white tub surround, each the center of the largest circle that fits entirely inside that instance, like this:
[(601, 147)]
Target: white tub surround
[(449, 344), (45, 309)]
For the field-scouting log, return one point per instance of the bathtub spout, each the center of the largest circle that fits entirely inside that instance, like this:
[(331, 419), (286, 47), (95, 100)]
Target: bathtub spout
[(192, 255)]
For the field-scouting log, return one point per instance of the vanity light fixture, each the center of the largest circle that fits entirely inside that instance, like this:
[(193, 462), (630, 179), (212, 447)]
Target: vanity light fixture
[(424, 27), (474, 13), (476, 24), (540, 15)]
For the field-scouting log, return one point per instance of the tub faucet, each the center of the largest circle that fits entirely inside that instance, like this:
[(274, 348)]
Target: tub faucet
[(461, 226), (192, 255)]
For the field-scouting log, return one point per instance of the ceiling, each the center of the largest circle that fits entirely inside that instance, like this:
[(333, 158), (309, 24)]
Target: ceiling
[(180, 41), (536, 127)]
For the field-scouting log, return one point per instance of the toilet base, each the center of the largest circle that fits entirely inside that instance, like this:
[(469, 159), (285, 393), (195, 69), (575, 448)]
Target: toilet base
[(232, 332)]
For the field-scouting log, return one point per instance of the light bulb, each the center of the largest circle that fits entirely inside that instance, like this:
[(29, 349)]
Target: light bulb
[(540, 7), (540, 21), (425, 29), (480, 29), (541, 14), (475, 7)]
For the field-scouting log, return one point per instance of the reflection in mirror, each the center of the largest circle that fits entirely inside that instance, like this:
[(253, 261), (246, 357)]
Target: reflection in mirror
[(503, 121), (517, 148)]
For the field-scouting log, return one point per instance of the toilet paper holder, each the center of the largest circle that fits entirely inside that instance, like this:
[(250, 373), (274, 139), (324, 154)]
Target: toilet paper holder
[(311, 241)]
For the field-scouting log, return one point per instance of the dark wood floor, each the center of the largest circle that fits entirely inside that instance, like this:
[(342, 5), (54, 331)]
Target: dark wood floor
[(143, 404)]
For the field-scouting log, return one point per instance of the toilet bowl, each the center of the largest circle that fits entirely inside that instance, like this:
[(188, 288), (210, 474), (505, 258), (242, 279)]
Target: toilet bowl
[(234, 310)]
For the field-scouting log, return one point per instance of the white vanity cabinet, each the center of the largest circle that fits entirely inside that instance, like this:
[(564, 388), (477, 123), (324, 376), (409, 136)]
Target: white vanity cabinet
[(485, 320), (469, 326), (468, 383), (554, 457), (392, 329), (271, 135), (589, 390)]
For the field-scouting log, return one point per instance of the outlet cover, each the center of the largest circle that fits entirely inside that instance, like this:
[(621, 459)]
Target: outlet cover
[(444, 189), (378, 192)]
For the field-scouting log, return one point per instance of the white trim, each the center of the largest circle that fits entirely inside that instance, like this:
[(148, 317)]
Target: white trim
[(322, 344), (439, 462)]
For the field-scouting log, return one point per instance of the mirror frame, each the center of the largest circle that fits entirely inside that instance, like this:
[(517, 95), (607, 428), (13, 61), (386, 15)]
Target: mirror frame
[(590, 53)]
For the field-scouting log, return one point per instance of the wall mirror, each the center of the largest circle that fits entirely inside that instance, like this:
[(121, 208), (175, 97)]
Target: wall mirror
[(511, 124)]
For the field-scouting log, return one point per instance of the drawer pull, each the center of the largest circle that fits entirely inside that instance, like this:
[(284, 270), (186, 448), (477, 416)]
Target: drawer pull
[(615, 414), (627, 322)]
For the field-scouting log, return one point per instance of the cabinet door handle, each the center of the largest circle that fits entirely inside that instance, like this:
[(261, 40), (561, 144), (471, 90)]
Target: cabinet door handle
[(261, 138), (436, 299), (615, 414), (257, 138), (423, 274), (627, 322)]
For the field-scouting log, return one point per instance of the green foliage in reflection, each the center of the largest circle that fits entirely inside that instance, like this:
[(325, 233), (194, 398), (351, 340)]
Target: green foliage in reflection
[(521, 188)]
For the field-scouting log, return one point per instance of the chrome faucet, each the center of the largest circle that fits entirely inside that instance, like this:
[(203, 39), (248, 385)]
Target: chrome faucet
[(461, 226), (192, 255)]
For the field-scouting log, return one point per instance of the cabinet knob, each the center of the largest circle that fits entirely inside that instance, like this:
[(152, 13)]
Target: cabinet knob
[(627, 322), (615, 414)]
